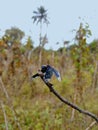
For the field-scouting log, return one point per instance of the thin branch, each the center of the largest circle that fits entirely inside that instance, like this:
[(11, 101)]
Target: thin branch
[(91, 125), (69, 103), (73, 110), (9, 101), (4, 113), (4, 89)]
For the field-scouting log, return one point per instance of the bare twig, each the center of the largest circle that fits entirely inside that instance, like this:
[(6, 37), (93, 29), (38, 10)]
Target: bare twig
[(5, 117), (9, 101), (73, 110), (91, 125), (69, 103), (4, 89)]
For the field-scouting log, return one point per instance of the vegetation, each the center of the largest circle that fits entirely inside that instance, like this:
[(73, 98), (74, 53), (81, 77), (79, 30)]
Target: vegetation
[(27, 104)]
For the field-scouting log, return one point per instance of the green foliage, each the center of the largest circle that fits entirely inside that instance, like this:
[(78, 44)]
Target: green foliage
[(94, 46), (29, 44), (35, 107), (14, 34)]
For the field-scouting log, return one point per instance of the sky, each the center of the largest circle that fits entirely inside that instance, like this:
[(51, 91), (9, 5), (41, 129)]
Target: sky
[(64, 16)]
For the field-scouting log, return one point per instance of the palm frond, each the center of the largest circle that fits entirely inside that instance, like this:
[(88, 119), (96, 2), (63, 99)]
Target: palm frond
[(35, 12), (40, 15)]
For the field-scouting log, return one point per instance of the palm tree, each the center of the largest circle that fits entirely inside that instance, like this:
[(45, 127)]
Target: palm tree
[(40, 17)]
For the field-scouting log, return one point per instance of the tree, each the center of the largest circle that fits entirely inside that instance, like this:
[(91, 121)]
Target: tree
[(80, 53), (80, 56), (14, 35), (40, 16)]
